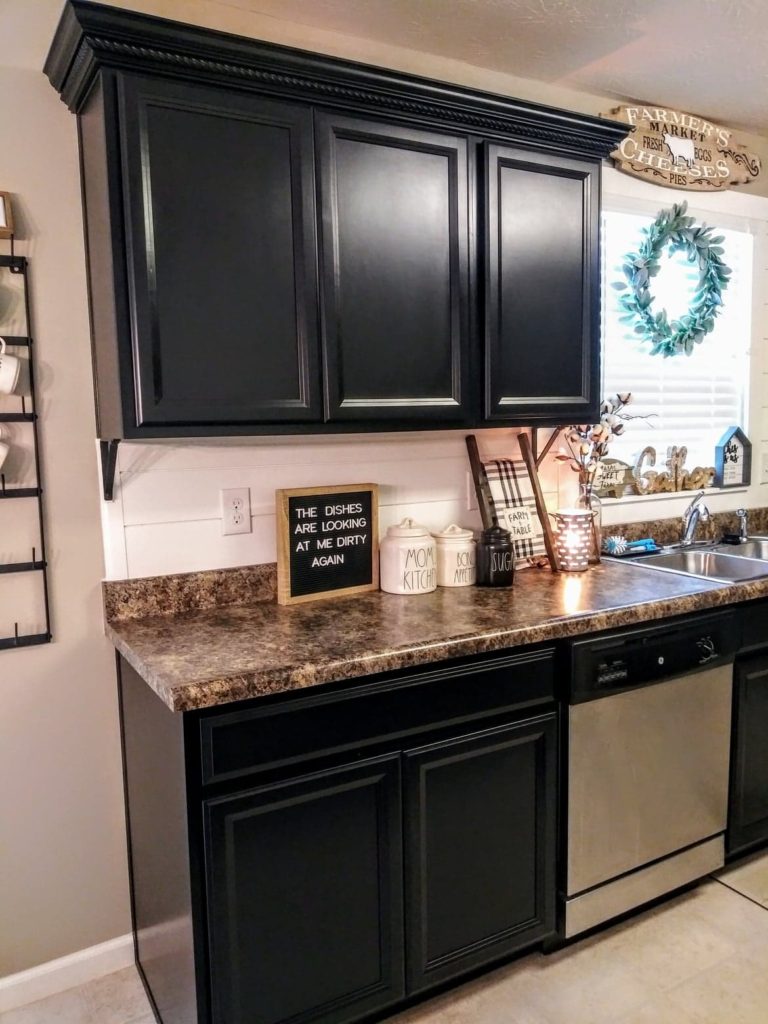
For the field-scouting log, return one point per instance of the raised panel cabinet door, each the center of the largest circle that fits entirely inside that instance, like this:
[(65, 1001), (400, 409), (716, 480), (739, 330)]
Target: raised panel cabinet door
[(748, 812), (542, 287), (394, 271), (480, 848), (305, 897), (220, 224)]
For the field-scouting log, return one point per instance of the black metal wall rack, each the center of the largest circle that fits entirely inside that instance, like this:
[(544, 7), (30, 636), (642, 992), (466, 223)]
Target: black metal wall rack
[(38, 563)]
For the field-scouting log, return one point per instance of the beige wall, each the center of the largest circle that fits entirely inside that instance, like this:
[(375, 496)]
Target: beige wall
[(63, 880), (62, 862)]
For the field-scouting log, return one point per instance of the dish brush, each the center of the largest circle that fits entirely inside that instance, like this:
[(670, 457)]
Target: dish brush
[(616, 545)]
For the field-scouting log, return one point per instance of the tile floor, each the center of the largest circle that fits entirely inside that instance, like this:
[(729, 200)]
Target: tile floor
[(701, 958)]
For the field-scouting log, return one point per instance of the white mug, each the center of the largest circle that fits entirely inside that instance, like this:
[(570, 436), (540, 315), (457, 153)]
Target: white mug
[(4, 449), (10, 367)]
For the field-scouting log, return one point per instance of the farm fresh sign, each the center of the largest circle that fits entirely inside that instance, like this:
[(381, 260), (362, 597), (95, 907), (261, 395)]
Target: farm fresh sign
[(681, 150)]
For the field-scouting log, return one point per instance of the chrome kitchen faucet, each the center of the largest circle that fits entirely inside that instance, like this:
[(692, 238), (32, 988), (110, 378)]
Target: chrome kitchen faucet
[(693, 515)]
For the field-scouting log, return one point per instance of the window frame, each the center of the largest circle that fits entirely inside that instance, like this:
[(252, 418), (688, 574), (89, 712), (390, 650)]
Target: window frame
[(745, 212)]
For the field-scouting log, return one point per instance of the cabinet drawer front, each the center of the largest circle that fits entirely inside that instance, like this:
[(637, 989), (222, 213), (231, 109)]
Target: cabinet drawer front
[(221, 255), (394, 270), (283, 734), (480, 848), (541, 286), (305, 897)]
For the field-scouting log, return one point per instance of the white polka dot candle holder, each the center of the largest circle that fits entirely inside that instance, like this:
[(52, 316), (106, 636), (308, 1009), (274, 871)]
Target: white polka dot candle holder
[(573, 538)]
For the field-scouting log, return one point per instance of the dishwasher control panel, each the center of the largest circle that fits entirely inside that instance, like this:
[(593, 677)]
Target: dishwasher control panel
[(610, 671), (638, 657)]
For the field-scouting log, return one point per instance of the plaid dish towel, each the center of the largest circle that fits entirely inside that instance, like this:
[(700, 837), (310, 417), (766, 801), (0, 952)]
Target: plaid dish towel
[(515, 508)]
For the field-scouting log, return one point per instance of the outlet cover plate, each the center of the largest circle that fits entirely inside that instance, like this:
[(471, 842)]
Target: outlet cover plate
[(235, 510)]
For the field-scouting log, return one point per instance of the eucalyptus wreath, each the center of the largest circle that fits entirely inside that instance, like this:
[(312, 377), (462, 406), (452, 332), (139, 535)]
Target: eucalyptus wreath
[(677, 232)]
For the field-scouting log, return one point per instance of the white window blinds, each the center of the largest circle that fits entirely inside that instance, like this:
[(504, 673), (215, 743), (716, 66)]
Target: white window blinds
[(689, 400)]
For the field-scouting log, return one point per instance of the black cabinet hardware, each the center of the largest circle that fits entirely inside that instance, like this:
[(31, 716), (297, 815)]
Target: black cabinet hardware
[(108, 454)]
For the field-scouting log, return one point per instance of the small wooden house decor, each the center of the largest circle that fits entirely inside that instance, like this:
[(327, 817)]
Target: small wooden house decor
[(733, 459)]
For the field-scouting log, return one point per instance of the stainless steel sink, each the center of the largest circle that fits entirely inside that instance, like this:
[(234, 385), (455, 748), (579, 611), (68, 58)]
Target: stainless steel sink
[(754, 547), (709, 565)]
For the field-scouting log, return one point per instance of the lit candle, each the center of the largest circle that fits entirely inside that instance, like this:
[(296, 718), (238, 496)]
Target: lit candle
[(573, 538)]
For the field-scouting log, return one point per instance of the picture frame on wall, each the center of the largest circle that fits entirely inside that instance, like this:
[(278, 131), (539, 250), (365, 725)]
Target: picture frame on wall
[(6, 215), (733, 459)]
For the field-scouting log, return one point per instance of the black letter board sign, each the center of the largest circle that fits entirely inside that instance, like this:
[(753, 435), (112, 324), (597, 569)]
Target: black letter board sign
[(327, 541)]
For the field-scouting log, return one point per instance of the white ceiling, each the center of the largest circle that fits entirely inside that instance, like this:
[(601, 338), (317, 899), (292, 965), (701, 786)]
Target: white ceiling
[(709, 57)]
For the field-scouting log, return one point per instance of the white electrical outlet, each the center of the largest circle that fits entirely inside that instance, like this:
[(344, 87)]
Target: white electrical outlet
[(235, 510), (764, 474)]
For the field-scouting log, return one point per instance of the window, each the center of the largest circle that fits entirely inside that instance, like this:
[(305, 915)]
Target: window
[(688, 400)]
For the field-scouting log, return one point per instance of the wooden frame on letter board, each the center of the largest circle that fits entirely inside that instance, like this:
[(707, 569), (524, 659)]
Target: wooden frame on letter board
[(282, 497)]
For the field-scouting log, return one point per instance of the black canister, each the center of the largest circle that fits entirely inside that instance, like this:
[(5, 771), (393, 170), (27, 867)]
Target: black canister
[(495, 558)]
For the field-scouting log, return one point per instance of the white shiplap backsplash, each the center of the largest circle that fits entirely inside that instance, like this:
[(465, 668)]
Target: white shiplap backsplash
[(166, 516)]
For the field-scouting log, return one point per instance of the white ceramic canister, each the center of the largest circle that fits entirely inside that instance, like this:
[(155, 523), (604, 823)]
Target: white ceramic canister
[(456, 563), (408, 559)]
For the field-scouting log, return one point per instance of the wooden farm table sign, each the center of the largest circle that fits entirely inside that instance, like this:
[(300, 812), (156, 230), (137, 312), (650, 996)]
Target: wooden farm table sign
[(327, 541), (669, 147)]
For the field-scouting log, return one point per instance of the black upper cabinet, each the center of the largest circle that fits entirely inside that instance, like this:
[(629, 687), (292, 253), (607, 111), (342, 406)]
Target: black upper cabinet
[(221, 255), (393, 206), (542, 313), (281, 242)]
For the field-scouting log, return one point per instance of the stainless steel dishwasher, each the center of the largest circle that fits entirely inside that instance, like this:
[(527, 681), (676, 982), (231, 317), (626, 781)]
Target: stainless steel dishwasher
[(649, 728)]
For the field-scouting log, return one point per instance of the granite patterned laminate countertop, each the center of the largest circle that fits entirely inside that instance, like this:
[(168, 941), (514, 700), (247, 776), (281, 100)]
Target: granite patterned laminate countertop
[(208, 654)]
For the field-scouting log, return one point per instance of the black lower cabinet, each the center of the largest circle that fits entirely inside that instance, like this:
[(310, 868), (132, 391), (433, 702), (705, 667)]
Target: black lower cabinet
[(336, 853), (305, 897), (480, 836), (748, 815)]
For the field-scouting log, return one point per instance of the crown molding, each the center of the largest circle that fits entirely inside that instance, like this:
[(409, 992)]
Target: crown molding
[(91, 37)]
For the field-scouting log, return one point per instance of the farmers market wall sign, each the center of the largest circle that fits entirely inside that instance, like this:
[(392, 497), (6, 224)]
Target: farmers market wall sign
[(677, 149)]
